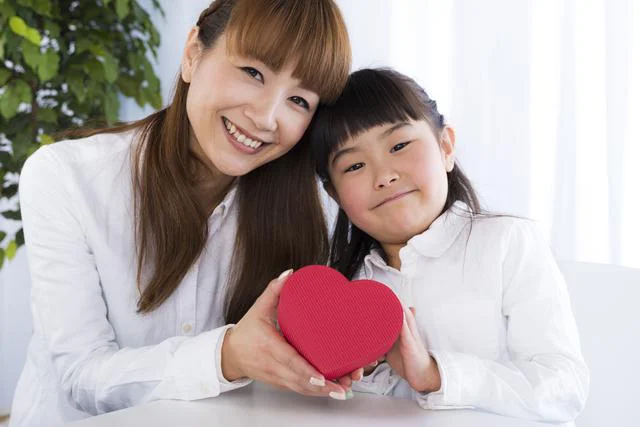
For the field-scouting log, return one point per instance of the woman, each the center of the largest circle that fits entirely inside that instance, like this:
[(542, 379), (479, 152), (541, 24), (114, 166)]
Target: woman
[(150, 245)]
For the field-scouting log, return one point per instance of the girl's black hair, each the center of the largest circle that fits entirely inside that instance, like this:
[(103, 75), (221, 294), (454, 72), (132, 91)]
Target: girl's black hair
[(374, 97)]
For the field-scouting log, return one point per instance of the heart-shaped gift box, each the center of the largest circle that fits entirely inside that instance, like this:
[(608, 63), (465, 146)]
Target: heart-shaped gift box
[(336, 325)]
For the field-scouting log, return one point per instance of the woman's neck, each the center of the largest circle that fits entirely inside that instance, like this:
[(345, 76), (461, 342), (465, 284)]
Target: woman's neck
[(210, 185)]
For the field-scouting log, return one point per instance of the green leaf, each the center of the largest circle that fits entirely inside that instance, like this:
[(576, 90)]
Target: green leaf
[(94, 70), (9, 102), (18, 25), (33, 36), (11, 250), (122, 8), (20, 238), (84, 45), (47, 115), (4, 76), (111, 69), (23, 92), (1, 46), (46, 139), (127, 86), (42, 7), (2, 235), (31, 54), (14, 215), (52, 28), (49, 66), (111, 106), (76, 84), (2, 256)]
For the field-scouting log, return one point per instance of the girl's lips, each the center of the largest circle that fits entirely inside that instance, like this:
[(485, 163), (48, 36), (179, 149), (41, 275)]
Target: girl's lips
[(396, 196)]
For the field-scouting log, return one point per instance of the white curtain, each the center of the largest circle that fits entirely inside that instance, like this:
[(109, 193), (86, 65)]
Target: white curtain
[(544, 95), (545, 98)]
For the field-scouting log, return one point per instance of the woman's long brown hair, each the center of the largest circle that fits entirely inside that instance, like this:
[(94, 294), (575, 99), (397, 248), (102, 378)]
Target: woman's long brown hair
[(281, 223)]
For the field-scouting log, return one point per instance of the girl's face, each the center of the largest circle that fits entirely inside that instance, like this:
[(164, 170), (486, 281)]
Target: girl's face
[(242, 113), (392, 179)]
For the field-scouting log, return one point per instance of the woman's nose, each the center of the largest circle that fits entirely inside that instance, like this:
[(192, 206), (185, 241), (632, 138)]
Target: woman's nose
[(263, 113)]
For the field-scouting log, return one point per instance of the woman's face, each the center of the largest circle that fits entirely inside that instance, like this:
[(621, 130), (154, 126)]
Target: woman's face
[(242, 113)]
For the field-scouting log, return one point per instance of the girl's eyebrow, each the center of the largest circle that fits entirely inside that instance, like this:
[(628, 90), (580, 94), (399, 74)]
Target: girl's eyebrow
[(392, 129), (342, 152)]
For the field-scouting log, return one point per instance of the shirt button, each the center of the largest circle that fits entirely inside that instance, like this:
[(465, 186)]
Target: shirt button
[(186, 328)]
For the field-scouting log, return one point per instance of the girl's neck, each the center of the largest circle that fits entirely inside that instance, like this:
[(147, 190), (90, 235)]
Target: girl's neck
[(392, 254)]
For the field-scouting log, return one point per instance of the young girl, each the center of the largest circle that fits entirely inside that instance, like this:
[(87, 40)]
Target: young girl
[(490, 325), (148, 242)]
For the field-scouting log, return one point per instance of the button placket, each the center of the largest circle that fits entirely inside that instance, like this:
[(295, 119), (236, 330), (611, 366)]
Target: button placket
[(188, 301)]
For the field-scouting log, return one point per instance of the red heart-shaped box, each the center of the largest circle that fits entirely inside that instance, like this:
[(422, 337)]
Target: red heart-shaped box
[(336, 325)]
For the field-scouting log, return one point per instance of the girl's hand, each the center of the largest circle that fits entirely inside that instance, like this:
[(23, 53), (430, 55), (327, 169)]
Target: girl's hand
[(410, 359), (254, 349)]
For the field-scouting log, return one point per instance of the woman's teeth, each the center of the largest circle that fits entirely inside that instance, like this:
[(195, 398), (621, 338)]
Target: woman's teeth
[(240, 137)]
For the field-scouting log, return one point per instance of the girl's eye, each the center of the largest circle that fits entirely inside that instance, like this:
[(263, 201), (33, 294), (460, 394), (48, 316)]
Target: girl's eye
[(354, 167), (300, 101), (399, 147), (253, 73)]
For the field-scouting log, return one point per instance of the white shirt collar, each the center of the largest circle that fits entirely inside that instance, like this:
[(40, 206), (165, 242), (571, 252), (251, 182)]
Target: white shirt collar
[(432, 242)]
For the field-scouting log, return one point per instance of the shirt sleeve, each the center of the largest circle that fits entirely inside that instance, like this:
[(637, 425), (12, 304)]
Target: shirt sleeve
[(70, 313), (382, 380), (546, 378)]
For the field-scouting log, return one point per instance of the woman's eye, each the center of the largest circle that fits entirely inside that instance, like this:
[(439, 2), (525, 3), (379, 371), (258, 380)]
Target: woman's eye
[(300, 101), (354, 167), (253, 73), (399, 147)]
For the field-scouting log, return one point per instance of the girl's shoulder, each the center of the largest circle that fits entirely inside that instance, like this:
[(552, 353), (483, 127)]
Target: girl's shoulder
[(507, 232)]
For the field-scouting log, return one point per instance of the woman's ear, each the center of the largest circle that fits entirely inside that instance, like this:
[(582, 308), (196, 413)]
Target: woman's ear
[(190, 55), (447, 147)]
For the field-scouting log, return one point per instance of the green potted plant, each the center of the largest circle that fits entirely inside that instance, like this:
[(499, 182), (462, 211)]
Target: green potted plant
[(64, 64)]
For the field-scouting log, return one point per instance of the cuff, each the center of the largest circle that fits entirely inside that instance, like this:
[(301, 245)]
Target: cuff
[(450, 393), (226, 385)]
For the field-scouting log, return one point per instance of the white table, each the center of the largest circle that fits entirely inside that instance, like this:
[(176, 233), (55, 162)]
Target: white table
[(258, 405)]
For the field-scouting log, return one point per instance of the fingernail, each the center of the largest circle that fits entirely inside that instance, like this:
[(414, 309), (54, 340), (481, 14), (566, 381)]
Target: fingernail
[(338, 395), (361, 376), (374, 364), (317, 381), (285, 273)]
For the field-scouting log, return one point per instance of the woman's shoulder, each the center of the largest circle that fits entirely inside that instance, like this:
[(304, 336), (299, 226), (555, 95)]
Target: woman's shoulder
[(100, 147), (77, 160)]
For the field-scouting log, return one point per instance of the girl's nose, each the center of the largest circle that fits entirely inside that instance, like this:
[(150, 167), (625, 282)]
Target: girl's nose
[(263, 113), (386, 179)]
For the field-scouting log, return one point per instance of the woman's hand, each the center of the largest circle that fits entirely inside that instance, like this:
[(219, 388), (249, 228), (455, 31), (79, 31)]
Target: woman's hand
[(410, 359), (253, 348)]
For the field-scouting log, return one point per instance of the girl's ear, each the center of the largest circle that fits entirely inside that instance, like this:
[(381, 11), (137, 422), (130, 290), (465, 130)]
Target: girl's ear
[(190, 55), (447, 147)]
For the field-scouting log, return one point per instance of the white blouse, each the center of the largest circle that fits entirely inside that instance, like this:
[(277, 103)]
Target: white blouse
[(91, 352), (494, 312)]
